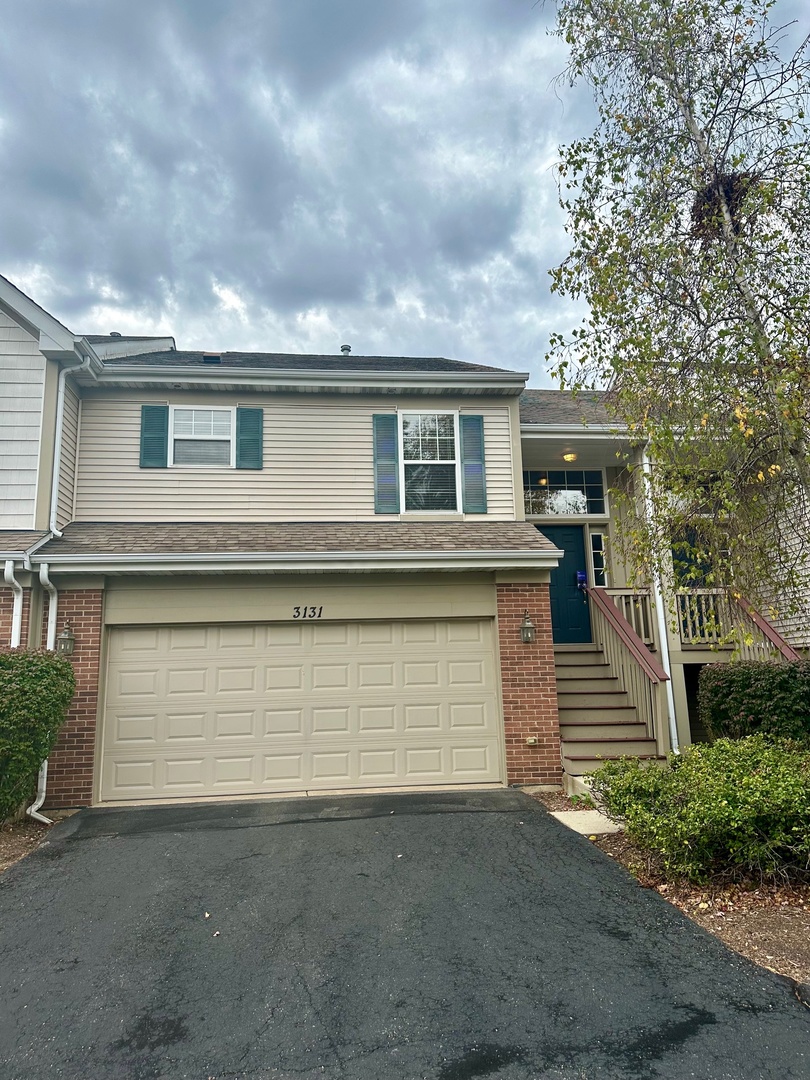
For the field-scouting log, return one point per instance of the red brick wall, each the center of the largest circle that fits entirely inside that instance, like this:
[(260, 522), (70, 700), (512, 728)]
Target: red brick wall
[(70, 766), (529, 687), (6, 608)]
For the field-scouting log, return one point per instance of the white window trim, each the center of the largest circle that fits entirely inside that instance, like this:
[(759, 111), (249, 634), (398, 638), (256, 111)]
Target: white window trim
[(220, 438), (401, 414), (591, 533), (573, 518)]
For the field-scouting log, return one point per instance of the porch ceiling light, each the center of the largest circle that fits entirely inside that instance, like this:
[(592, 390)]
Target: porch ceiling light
[(66, 642), (570, 456), (528, 633)]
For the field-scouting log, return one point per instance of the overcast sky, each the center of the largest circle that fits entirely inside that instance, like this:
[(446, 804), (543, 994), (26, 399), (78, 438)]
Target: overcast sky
[(290, 175)]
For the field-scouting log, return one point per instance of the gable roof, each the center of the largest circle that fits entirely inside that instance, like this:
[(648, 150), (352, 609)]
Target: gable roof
[(102, 339), (562, 408), (296, 362)]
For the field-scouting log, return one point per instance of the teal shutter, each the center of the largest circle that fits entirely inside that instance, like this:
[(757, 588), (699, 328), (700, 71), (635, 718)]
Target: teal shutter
[(473, 476), (249, 434), (154, 436), (386, 464)]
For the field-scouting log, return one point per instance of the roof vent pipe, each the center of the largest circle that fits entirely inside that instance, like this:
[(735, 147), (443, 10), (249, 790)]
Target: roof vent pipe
[(345, 349), (115, 333)]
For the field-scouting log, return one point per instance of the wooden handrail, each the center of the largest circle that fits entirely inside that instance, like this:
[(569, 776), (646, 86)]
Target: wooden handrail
[(639, 651), (765, 628)]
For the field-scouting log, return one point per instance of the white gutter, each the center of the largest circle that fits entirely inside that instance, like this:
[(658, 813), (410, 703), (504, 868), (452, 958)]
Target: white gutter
[(57, 442), (53, 602), (512, 382), (50, 644), (661, 619), (17, 604), (313, 562)]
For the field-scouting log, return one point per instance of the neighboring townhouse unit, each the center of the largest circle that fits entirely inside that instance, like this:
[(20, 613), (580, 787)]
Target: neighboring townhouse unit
[(288, 573)]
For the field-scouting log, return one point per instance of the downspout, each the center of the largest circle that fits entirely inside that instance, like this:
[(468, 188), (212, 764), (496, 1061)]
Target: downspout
[(57, 440), (50, 644), (658, 599), (17, 604)]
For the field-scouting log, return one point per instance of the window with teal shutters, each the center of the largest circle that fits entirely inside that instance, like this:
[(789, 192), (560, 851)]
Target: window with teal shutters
[(386, 464), (249, 434), (473, 475), (154, 436)]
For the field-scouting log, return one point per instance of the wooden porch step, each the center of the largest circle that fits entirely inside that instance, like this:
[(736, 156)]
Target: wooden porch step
[(602, 729), (615, 714), (611, 747), (592, 699)]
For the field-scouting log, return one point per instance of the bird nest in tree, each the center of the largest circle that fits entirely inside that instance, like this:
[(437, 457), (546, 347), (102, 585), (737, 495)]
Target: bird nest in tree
[(707, 208)]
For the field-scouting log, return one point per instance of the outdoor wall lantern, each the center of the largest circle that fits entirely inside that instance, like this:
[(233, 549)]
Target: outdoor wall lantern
[(528, 633), (66, 642)]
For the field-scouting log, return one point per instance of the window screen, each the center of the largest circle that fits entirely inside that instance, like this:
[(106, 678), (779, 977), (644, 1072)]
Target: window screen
[(201, 437), (429, 455)]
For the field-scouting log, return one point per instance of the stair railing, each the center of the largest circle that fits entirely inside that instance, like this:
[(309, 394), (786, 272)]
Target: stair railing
[(636, 606), (716, 619), (640, 675)]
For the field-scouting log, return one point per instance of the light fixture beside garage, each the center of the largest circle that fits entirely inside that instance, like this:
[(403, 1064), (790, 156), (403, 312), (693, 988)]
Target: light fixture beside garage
[(66, 642), (528, 633)]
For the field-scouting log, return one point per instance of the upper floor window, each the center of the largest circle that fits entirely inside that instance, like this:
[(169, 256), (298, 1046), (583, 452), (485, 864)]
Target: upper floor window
[(564, 491), (429, 461), (202, 437), (213, 438)]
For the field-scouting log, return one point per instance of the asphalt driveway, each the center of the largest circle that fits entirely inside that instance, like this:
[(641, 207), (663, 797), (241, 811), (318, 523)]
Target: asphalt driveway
[(444, 937)]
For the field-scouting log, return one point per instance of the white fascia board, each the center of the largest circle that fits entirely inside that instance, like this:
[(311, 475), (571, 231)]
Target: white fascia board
[(312, 562), (46, 326), (580, 431), (263, 379)]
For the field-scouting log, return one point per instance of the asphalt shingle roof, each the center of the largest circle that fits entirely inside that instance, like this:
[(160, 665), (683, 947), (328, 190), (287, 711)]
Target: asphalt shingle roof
[(298, 362), (561, 407), (198, 538), (16, 541)]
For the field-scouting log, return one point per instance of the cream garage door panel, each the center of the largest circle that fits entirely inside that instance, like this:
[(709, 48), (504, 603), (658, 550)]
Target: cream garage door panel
[(238, 709)]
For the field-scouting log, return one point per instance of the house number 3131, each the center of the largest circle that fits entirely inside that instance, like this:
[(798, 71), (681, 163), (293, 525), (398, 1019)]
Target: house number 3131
[(307, 612)]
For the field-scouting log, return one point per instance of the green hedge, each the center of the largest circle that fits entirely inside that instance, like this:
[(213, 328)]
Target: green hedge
[(733, 809), (739, 699), (36, 689)]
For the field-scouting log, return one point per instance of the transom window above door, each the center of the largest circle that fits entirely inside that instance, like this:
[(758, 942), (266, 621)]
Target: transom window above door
[(561, 492), (430, 461), (202, 437)]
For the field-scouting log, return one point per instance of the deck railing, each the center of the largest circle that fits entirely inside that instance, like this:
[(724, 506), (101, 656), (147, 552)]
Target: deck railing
[(716, 619), (640, 675)]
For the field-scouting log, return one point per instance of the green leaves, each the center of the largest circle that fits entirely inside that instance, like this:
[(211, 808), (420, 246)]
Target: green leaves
[(689, 216), (734, 809), (36, 689)]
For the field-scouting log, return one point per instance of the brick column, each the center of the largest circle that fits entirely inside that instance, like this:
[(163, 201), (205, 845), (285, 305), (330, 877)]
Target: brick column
[(70, 766), (6, 609), (529, 687)]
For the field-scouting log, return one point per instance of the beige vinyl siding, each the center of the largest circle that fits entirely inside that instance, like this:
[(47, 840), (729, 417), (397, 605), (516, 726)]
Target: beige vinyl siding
[(318, 462), (22, 381), (67, 465)]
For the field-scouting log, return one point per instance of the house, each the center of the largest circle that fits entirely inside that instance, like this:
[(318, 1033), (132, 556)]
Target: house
[(283, 573)]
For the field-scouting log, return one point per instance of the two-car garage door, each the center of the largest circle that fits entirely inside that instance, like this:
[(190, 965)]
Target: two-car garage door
[(248, 709)]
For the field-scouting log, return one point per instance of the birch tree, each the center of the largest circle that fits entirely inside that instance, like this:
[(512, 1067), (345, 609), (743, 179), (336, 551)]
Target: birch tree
[(688, 210)]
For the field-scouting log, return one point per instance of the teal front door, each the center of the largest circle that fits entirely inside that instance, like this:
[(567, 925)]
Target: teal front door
[(570, 618)]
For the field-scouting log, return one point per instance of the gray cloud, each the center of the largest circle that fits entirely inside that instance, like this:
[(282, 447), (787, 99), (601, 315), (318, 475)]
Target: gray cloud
[(289, 174)]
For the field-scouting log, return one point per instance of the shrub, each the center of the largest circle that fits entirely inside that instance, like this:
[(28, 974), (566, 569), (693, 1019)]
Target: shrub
[(36, 689), (731, 809), (739, 699)]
